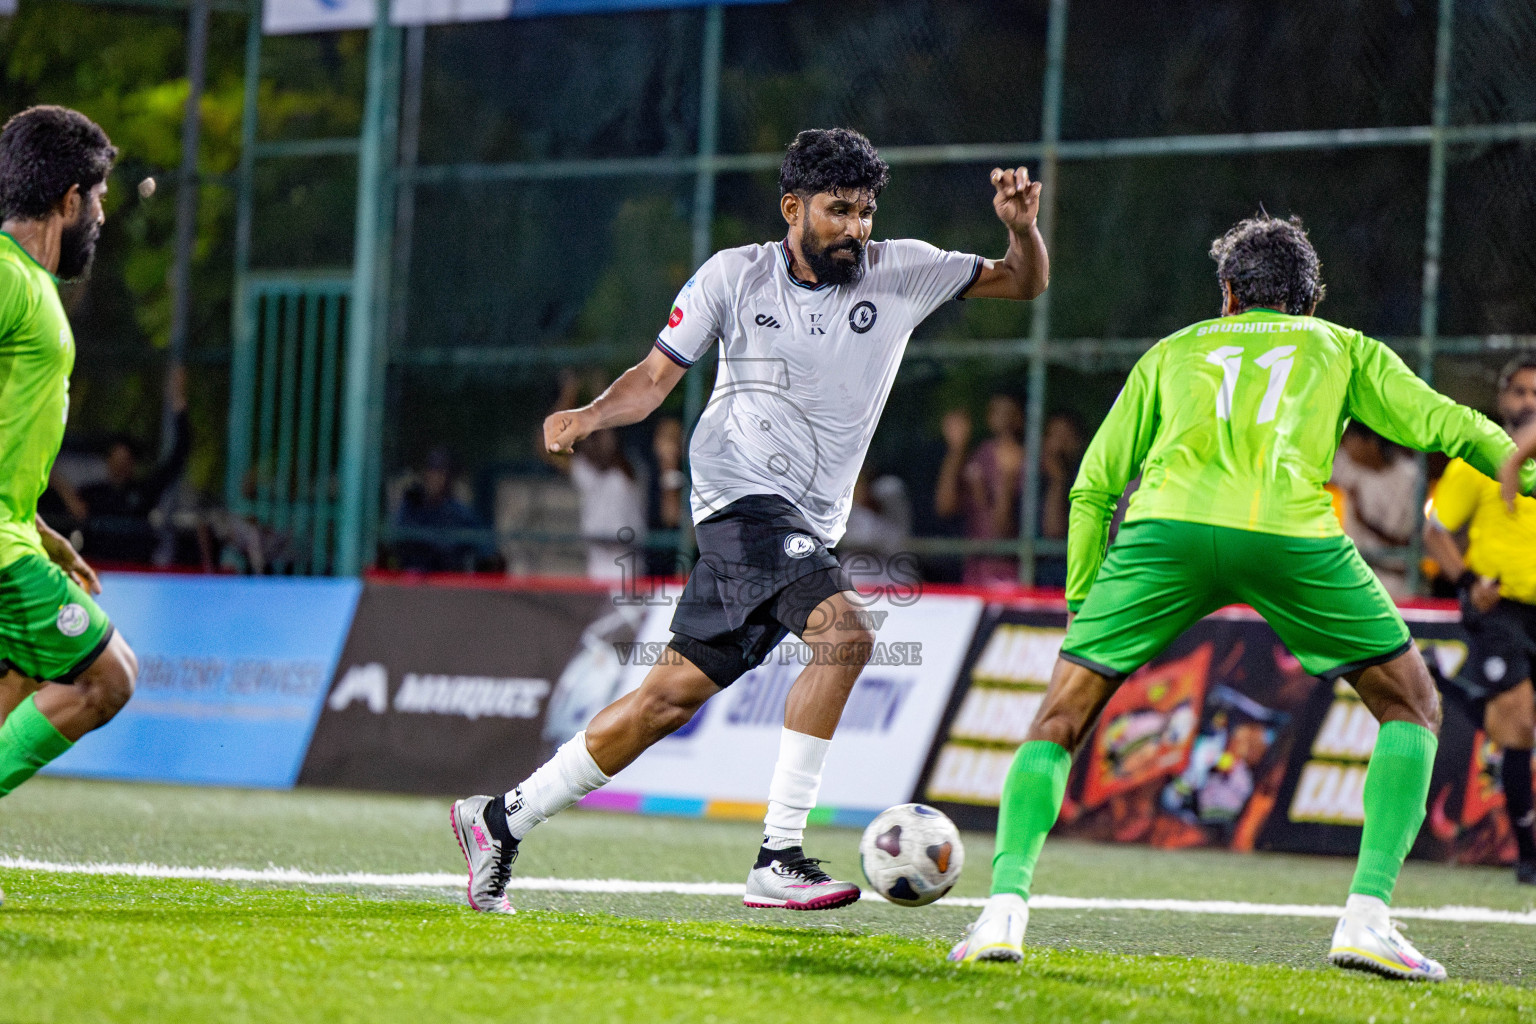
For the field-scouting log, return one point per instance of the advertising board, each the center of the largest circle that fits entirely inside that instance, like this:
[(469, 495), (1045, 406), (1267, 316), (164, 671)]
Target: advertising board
[(232, 671)]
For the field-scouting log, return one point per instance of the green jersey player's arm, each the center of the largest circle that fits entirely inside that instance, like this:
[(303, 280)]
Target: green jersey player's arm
[(1113, 459), (630, 399), (1393, 401)]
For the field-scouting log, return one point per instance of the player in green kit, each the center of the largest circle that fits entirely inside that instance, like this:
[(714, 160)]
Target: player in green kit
[(1232, 424), (66, 671)]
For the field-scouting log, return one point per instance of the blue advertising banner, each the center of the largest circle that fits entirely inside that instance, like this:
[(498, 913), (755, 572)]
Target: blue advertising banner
[(232, 673)]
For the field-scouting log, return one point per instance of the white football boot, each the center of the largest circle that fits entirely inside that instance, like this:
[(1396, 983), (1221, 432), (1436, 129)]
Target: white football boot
[(998, 933), (490, 861), (1366, 939), (792, 881)]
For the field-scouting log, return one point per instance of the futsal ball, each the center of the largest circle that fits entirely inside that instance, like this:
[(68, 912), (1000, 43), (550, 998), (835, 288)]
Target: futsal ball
[(911, 854)]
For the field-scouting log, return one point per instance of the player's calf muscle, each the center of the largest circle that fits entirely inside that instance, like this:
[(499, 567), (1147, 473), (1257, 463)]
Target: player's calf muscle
[(665, 702)]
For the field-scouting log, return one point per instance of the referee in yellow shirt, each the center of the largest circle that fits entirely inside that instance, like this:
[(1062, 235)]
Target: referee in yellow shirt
[(1496, 581)]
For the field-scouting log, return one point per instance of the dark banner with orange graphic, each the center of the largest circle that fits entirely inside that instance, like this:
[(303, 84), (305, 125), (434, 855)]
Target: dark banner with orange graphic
[(1222, 741)]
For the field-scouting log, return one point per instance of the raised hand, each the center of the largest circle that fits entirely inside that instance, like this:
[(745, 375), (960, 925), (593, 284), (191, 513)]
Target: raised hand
[(1017, 201), (956, 428)]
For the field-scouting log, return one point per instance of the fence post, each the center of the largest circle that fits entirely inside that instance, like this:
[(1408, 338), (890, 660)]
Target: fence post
[(360, 413), (703, 224), (1434, 228), (1040, 325), (242, 363)]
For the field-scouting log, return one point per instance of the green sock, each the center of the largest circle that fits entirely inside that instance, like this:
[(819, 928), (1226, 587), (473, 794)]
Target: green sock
[(1032, 796), (1396, 790), (27, 742)]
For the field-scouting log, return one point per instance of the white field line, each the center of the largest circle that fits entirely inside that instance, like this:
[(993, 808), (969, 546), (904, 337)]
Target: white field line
[(442, 880)]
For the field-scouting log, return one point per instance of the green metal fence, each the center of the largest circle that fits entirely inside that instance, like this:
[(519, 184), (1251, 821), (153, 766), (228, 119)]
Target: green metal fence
[(394, 179), (284, 444)]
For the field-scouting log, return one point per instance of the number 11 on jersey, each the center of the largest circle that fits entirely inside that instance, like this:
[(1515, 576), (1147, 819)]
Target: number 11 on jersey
[(1277, 361)]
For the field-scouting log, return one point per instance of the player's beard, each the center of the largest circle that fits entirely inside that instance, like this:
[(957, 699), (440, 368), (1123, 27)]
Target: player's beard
[(77, 248), (827, 267)]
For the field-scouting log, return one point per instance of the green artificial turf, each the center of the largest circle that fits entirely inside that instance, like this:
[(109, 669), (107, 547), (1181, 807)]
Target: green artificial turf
[(87, 947), (94, 949)]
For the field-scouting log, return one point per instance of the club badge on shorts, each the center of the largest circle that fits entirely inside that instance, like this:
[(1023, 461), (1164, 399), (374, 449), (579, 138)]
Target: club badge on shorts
[(73, 619), (798, 545)]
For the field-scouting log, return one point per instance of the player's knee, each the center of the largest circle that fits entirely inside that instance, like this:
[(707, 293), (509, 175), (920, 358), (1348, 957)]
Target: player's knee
[(111, 687), (1425, 703), (1511, 723), (853, 646)]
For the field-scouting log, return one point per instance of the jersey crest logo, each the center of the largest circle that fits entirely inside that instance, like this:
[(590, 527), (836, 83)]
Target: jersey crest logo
[(862, 317), (73, 619), (63, 337), (676, 317), (815, 323), (798, 545), (764, 320)]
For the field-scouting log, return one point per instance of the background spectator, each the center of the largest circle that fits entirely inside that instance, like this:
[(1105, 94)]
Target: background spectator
[(879, 523), (115, 513), (983, 486), (667, 493), (430, 505), (613, 520), (1380, 485), (1061, 450)]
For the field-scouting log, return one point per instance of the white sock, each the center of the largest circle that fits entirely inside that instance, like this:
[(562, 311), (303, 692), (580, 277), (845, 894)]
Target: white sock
[(1372, 909), (792, 793), (559, 782), (1005, 903)]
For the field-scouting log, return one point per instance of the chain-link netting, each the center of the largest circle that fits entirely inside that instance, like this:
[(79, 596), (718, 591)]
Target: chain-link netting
[(554, 203)]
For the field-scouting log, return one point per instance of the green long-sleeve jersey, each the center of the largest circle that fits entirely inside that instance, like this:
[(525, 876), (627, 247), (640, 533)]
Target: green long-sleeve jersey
[(1234, 422), (37, 352)]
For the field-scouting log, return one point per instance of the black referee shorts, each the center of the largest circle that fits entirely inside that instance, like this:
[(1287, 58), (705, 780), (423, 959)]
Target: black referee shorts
[(1501, 642), (761, 573)]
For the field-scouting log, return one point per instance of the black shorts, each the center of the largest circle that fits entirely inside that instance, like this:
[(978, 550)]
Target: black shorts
[(761, 573), (1501, 643)]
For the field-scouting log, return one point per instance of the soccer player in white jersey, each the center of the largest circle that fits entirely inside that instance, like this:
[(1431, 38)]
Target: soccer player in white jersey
[(811, 331)]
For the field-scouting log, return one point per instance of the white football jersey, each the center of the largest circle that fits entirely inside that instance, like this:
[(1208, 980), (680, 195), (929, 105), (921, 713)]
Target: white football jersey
[(804, 370)]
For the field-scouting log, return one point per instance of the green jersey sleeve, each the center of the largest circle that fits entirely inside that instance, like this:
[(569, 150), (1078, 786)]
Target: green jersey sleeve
[(1113, 459), (1393, 401)]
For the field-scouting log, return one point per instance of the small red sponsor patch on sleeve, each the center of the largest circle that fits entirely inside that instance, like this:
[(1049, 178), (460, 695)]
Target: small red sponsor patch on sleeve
[(676, 317)]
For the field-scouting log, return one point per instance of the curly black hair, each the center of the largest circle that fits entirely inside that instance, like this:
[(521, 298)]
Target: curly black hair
[(45, 151), (1269, 262), (832, 160)]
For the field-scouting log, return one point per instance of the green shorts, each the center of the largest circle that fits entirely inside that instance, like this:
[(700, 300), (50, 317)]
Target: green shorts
[(1162, 576), (50, 629)]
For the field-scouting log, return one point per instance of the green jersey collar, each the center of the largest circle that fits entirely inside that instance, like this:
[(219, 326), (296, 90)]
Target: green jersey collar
[(23, 250)]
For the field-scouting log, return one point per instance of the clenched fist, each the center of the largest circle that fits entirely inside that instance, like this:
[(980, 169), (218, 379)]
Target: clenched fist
[(563, 429)]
